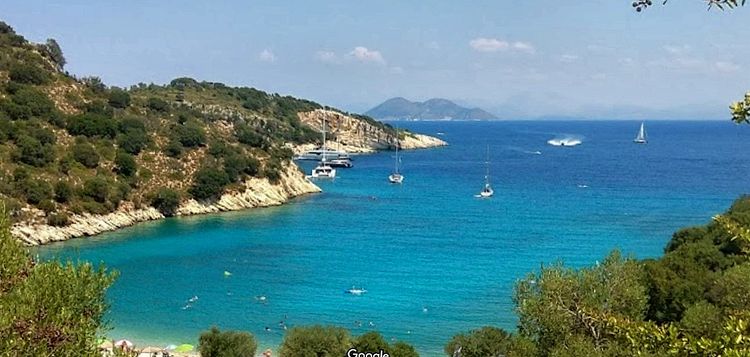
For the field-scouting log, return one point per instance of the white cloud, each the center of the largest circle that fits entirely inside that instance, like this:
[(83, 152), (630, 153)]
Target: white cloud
[(365, 55), (482, 44), (524, 47), (267, 56), (568, 58), (726, 67), (327, 57)]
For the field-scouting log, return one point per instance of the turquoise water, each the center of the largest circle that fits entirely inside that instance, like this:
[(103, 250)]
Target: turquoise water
[(435, 260)]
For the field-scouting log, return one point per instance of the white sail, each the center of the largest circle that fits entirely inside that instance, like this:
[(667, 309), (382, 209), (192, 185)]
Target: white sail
[(641, 137)]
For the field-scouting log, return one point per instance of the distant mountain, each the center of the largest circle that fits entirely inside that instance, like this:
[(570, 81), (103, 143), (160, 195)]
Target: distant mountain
[(436, 108)]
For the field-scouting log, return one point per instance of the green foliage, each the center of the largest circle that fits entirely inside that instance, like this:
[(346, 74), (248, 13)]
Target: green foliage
[(85, 154), (35, 190), (97, 189), (119, 98), (48, 309), (371, 342), (63, 191), (92, 125), (125, 164), (315, 341), (215, 343), (555, 303), (28, 74), (133, 137), (60, 219), (487, 341), (731, 291), (53, 51), (190, 135), (209, 182), (702, 319), (401, 349), (26, 102), (158, 104), (31, 151), (166, 201), (236, 165), (249, 136), (173, 149)]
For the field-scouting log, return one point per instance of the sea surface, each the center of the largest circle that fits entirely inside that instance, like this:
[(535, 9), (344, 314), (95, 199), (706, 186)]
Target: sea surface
[(434, 259)]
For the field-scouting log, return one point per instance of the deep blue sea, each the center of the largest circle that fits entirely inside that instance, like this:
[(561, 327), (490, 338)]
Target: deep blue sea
[(435, 260)]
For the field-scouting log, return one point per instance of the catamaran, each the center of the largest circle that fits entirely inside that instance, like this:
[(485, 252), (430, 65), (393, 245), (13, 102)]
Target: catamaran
[(487, 191), (324, 170), (396, 176), (641, 137)]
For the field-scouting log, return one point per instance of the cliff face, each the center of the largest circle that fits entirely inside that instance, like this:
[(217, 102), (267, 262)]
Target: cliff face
[(257, 193), (355, 135)]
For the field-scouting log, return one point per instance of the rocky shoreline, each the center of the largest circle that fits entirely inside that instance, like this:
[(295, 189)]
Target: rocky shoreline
[(257, 193)]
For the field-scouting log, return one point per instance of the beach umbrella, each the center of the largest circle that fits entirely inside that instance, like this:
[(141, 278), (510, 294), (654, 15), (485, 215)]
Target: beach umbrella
[(106, 344), (124, 344), (184, 348), (170, 347), (151, 349)]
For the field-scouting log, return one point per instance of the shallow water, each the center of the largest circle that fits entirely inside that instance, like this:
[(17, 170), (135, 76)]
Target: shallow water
[(434, 259)]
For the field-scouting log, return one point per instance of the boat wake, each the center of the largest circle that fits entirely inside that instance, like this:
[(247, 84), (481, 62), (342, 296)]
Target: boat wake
[(569, 140)]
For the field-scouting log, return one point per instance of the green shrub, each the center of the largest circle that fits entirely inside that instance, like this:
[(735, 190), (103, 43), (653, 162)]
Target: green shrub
[(37, 103), (249, 136), (13, 110), (236, 165), (36, 191), (63, 191), (133, 139), (32, 152), (402, 349), (215, 343), (96, 188), (315, 341), (92, 125), (86, 154), (166, 201), (47, 206), (173, 149), (28, 74), (125, 164), (272, 171), (208, 183), (119, 98), (190, 135), (371, 342), (48, 308), (158, 104), (487, 341), (58, 219)]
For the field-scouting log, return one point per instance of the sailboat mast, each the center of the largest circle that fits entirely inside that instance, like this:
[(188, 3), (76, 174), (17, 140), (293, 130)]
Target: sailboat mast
[(487, 166), (324, 140), (397, 145)]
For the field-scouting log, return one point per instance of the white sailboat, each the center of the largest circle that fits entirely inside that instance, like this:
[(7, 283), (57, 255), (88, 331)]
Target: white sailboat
[(396, 176), (641, 137), (323, 170), (487, 191)]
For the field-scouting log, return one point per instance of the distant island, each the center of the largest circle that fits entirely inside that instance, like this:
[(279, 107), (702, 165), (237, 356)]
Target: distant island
[(433, 109)]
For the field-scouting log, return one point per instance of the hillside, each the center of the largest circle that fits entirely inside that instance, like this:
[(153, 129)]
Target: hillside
[(433, 109), (78, 157)]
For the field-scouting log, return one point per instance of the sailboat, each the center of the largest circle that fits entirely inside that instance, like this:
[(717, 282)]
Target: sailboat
[(641, 137), (396, 176), (324, 170), (487, 191)]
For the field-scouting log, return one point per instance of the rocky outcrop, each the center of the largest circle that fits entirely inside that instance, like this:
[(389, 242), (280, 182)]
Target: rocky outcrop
[(356, 135), (255, 192)]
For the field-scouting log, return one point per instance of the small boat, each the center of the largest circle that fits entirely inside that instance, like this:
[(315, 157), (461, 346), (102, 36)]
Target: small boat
[(323, 170), (356, 291), (340, 162), (487, 191), (396, 176), (319, 153), (641, 137)]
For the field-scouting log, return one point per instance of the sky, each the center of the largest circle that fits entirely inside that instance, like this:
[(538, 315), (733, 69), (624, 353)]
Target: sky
[(594, 59)]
